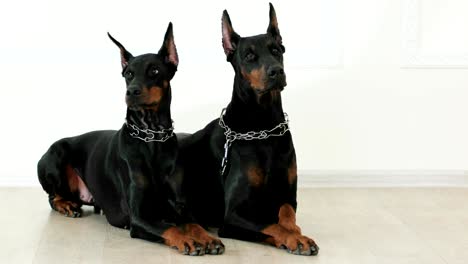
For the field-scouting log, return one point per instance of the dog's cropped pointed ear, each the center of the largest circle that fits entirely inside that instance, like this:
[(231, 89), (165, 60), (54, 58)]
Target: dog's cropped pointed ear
[(125, 56), (230, 37), (273, 29), (168, 49)]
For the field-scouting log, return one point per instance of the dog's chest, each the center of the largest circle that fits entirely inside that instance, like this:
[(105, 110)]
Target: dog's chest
[(265, 162)]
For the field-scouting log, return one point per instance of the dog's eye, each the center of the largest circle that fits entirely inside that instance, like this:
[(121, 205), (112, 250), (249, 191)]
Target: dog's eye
[(275, 51), (154, 72), (128, 74), (250, 57)]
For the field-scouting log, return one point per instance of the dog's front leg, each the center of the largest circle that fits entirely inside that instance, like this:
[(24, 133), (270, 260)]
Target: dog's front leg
[(283, 234), (186, 221), (286, 234), (159, 231)]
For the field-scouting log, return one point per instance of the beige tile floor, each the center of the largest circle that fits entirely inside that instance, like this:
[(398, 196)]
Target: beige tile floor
[(378, 226)]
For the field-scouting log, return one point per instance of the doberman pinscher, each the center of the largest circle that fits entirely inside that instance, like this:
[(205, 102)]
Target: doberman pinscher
[(130, 174), (241, 168)]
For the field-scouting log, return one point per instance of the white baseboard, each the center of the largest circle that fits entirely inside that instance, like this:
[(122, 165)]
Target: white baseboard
[(383, 178), (341, 178)]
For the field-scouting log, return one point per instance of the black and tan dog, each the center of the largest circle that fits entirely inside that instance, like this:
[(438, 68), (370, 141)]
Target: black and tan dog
[(241, 169), (130, 173)]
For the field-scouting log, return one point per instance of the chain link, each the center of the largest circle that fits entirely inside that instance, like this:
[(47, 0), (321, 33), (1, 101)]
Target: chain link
[(232, 136), (151, 135)]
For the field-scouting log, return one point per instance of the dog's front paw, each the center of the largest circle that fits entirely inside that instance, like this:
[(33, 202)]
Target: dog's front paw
[(292, 242), (212, 245), (301, 245), (189, 247), (184, 243), (296, 244)]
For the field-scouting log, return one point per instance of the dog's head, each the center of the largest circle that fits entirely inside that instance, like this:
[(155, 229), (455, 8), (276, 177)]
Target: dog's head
[(257, 60), (147, 76)]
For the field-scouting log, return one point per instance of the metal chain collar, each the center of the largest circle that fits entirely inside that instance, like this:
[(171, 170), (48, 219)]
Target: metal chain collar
[(151, 135), (232, 136)]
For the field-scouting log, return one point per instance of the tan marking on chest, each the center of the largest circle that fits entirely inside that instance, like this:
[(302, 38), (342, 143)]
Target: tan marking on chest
[(256, 176), (141, 181), (292, 172)]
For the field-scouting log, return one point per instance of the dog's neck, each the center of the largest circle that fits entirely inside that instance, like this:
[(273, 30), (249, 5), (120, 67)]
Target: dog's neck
[(149, 118), (244, 113)]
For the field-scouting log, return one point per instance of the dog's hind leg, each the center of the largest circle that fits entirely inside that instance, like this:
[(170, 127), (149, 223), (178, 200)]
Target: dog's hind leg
[(57, 177)]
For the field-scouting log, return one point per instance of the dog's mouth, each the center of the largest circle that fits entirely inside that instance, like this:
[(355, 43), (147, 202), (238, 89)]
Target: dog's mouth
[(275, 86), (152, 106), (271, 93), (270, 90), (136, 104)]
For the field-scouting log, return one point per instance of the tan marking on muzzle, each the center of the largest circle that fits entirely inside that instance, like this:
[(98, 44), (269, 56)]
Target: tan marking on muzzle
[(256, 78), (153, 95)]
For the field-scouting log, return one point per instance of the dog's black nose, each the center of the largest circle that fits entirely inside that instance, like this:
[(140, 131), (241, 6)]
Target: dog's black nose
[(275, 72), (133, 91)]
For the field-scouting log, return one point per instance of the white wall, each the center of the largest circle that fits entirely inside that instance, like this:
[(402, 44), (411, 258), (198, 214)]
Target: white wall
[(372, 85)]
